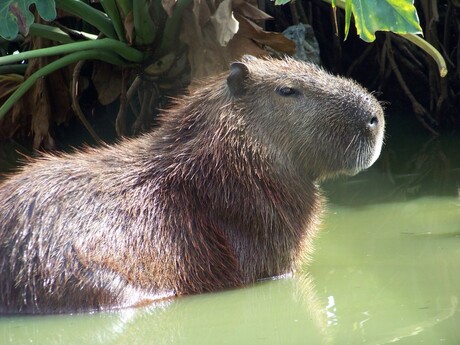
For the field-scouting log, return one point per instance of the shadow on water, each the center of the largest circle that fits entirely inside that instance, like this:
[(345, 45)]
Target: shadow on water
[(254, 315), (411, 165), (385, 270), (390, 247)]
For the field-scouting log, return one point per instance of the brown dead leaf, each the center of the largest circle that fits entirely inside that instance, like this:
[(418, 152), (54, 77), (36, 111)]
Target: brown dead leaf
[(168, 6), (241, 45), (206, 56), (60, 101), (209, 30), (8, 84), (19, 120), (250, 11), (128, 24), (20, 17), (202, 11), (274, 40), (225, 24), (21, 109), (36, 102), (46, 102), (41, 116), (107, 81)]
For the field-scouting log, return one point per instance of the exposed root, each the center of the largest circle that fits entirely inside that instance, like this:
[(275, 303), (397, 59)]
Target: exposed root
[(76, 105), (120, 122), (419, 110)]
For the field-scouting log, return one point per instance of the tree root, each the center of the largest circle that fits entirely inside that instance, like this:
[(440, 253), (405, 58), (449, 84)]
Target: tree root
[(419, 110), (75, 104), (120, 121), (149, 99)]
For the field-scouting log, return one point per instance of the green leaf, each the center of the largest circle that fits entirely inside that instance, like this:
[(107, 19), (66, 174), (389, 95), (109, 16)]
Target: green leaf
[(348, 10), (18, 18), (89, 14), (281, 2), (398, 16)]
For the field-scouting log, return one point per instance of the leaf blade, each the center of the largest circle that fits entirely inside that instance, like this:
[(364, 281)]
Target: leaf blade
[(19, 18), (398, 16)]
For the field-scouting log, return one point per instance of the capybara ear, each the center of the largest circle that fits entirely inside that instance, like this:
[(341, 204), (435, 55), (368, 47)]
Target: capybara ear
[(236, 79)]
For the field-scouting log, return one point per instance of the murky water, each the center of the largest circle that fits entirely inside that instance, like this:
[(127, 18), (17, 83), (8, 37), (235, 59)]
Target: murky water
[(386, 270)]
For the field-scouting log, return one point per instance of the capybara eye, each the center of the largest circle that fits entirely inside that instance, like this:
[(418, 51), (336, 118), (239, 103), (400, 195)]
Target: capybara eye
[(286, 91)]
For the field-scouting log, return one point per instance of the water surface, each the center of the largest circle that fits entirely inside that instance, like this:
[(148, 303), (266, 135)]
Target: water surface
[(385, 270)]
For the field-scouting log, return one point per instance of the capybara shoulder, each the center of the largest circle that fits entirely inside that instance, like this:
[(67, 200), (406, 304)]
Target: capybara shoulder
[(221, 194)]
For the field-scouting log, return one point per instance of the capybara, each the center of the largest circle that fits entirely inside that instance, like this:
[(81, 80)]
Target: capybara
[(222, 193)]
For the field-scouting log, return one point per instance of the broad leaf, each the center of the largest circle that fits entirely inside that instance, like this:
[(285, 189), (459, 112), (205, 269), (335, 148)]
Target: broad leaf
[(16, 16), (348, 11), (398, 16)]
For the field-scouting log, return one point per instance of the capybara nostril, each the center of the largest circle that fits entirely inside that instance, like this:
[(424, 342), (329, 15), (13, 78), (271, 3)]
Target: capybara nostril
[(373, 122)]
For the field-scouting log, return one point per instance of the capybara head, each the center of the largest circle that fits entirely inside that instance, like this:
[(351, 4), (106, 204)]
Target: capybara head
[(327, 124)]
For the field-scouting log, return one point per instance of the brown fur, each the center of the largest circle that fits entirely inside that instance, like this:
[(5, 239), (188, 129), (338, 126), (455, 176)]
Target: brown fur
[(223, 193)]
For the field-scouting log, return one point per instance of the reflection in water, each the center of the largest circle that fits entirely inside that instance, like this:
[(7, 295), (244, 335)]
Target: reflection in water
[(401, 334), (385, 270), (406, 169), (379, 278), (260, 314), (331, 312), (388, 285)]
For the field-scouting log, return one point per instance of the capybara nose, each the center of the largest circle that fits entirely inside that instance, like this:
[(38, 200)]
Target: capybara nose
[(374, 122)]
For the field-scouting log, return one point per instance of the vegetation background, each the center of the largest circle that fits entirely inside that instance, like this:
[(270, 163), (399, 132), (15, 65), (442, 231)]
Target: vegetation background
[(94, 71)]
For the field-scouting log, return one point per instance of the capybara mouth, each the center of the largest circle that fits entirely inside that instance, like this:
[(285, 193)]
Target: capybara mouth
[(367, 152), (366, 125)]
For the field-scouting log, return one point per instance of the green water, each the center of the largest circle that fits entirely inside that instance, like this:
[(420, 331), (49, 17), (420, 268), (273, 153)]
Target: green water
[(385, 270)]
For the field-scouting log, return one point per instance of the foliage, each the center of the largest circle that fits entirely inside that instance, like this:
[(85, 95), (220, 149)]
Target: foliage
[(397, 16), (145, 39), (397, 69), (18, 17)]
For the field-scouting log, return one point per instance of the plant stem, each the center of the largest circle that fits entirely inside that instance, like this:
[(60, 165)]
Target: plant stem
[(15, 80), (110, 7), (13, 69), (172, 27), (55, 65), (89, 14), (124, 7), (76, 105), (428, 48), (49, 32), (143, 25), (59, 33), (105, 44), (418, 41)]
